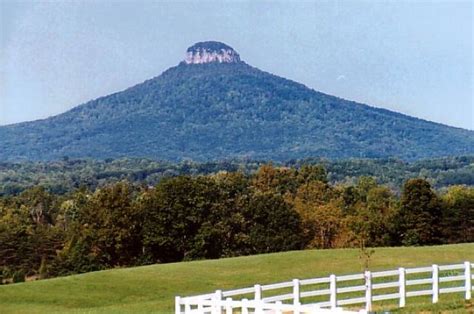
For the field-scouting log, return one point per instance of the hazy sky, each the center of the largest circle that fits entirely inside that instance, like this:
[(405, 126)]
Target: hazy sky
[(413, 57)]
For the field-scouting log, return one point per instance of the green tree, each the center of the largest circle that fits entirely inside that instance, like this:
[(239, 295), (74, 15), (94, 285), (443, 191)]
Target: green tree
[(25, 238), (458, 215), (175, 215), (116, 223), (308, 173), (104, 229), (279, 180), (40, 204), (272, 225), (321, 213), (418, 220)]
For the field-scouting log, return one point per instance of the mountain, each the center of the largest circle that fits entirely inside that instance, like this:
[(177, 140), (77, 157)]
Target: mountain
[(215, 106)]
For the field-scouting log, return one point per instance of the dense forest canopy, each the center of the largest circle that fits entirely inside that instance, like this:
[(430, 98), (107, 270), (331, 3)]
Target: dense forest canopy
[(208, 112), (120, 223), (61, 176)]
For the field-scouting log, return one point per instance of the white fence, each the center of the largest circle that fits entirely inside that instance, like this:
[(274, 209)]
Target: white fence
[(328, 294)]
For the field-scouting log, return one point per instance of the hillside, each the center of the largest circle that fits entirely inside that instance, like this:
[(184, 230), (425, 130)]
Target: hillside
[(215, 106), (152, 288)]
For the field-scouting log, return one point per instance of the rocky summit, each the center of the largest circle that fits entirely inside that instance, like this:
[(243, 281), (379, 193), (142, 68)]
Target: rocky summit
[(211, 51), (213, 106)]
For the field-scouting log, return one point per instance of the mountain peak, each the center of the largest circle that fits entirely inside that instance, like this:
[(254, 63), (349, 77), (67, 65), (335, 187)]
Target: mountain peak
[(211, 51), (224, 111)]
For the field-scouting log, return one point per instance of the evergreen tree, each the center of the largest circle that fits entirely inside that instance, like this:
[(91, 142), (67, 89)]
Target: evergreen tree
[(419, 218)]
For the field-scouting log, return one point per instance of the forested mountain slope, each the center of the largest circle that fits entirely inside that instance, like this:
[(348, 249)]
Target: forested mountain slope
[(214, 106)]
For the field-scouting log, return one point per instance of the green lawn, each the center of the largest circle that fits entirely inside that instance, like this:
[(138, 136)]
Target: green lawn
[(152, 288)]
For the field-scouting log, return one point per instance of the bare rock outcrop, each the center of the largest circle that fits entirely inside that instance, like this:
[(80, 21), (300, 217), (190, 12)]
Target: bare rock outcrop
[(211, 51)]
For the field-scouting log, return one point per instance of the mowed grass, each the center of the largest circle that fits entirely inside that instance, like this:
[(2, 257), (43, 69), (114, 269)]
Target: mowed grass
[(151, 289)]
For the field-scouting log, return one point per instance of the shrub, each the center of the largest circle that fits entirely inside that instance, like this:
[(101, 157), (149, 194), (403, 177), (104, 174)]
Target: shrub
[(19, 276)]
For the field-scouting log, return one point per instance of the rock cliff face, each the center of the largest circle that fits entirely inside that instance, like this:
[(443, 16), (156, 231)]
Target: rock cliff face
[(211, 51)]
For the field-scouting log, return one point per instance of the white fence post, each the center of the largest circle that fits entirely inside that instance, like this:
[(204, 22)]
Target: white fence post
[(467, 274), (258, 307), (217, 306), (368, 290), (333, 291), (177, 305), (258, 292), (402, 289), (435, 283), (296, 291), (297, 308), (258, 297), (279, 310), (187, 306), (228, 306), (245, 309)]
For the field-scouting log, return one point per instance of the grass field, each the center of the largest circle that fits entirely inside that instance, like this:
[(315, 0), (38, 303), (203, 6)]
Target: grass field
[(151, 289)]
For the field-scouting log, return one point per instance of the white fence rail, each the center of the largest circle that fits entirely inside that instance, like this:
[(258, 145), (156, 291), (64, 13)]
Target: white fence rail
[(328, 294)]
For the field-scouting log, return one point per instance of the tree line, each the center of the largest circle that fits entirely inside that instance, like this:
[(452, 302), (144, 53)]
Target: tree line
[(223, 214), (63, 176)]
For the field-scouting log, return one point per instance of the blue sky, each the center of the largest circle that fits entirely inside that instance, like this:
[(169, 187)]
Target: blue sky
[(414, 57)]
